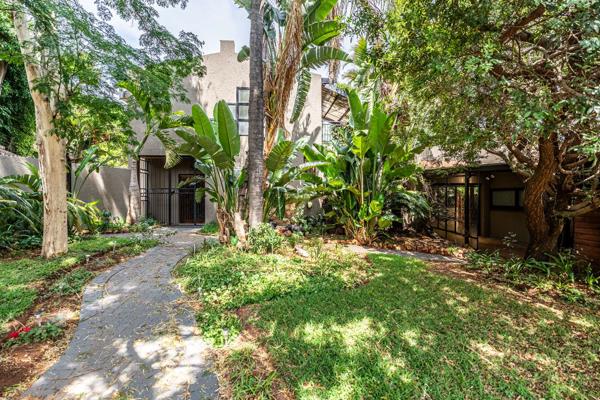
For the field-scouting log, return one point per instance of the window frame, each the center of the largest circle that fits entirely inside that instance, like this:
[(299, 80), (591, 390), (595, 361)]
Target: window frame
[(515, 194), (238, 103)]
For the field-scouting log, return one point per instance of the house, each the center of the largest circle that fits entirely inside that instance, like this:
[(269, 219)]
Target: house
[(482, 206), (225, 79)]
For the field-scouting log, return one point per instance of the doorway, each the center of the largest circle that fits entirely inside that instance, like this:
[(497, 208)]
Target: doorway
[(190, 211)]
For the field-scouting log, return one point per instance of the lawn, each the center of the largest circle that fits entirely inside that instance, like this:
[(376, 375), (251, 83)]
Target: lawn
[(24, 278), (338, 327)]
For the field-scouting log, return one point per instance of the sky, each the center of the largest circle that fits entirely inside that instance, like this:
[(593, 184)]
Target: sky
[(210, 20)]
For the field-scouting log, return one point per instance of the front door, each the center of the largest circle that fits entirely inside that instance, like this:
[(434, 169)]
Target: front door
[(190, 211)]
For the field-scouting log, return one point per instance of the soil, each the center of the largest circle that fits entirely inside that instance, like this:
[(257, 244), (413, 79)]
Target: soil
[(21, 365)]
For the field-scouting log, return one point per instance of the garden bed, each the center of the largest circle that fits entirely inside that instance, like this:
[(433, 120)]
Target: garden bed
[(336, 325), (43, 297)]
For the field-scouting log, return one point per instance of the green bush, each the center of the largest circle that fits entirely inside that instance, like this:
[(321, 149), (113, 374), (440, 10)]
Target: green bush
[(211, 228), (264, 239)]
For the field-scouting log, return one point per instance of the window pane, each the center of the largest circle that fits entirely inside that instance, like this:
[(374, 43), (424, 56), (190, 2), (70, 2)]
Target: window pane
[(232, 108), (243, 112), (520, 198), (243, 96), (451, 203), (503, 198), (243, 126)]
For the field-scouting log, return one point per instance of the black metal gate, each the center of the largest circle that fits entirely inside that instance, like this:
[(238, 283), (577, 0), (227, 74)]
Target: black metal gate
[(174, 206)]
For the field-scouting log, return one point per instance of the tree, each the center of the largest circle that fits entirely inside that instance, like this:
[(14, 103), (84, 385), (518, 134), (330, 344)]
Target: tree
[(69, 56), (296, 35), (257, 116), (518, 80)]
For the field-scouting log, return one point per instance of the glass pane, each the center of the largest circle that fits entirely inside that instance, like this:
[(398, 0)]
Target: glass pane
[(520, 198), (451, 202), (243, 127), (232, 108), (243, 96), (503, 198), (243, 112), (474, 211)]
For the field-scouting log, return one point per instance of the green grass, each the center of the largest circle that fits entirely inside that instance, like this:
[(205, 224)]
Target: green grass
[(406, 334), (20, 278)]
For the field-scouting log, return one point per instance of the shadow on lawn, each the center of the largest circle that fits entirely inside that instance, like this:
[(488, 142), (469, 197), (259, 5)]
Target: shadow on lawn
[(411, 333)]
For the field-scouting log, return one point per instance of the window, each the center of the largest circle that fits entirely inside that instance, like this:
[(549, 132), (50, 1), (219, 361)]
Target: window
[(240, 109), (507, 198), (327, 132)]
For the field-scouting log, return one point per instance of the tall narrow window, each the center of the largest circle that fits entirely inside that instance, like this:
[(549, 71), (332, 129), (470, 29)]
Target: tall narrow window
[(242, 109)]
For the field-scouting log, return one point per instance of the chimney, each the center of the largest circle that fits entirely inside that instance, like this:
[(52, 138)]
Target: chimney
[(227, 46)]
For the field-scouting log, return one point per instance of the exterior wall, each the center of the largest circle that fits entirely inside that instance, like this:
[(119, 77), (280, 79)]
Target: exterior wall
[(587, 236), (224, 74), (110, 186)]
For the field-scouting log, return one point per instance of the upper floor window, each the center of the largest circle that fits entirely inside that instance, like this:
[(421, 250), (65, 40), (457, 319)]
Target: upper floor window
[(240, 109)]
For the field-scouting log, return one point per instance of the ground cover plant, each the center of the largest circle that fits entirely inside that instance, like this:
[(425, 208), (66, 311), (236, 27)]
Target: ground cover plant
[(23, 277), (392, 328)]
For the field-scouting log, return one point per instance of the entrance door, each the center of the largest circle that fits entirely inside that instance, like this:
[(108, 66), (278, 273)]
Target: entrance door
[(190, 211)]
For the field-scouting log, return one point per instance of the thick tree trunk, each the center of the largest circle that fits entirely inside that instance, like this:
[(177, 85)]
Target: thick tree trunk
[(3, 70), (239, 226), (257, 117), (51, 149), (544, 227), (134, 209)]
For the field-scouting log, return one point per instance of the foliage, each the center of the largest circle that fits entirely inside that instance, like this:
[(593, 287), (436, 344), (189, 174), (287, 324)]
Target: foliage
[(360, 177), (209, 229), (263, 239), (17, 118), (21, 209), (297, 38), (21, 276), (215, 148), (283, 174), (41, 333), (72, 283), (517, 80), (564, 273), (225, 279)]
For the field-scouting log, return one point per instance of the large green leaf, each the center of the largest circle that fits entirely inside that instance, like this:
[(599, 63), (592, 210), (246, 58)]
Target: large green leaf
[(318, 56), (320, 10), (202, 124), (244, 54), (227, 128), (280, 155), (361, 145), (357, 110), (320, 33), (303, 87), (379, 130)]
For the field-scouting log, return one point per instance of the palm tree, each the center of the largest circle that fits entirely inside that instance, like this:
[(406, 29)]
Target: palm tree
[(297, 36), (257, 117)]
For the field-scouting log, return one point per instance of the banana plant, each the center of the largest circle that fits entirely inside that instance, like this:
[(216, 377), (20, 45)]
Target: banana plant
[(297, 36), (215, 146), (359, 178), (283, 176)]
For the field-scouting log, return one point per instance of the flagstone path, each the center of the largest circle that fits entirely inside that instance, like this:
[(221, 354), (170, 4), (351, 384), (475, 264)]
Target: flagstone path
[(136, 339)]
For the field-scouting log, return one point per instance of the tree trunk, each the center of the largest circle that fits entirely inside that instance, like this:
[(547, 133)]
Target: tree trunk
[(134, 209), (51, 149), (3, 70), (239, 226), (257, 117), (544, 227)]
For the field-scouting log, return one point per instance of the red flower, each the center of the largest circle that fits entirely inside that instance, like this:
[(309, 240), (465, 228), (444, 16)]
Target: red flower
[(14, 334), (26, 329)]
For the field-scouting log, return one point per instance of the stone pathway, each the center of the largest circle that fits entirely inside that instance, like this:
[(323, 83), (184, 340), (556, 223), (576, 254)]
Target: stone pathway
[(135, 339), (414, 254)]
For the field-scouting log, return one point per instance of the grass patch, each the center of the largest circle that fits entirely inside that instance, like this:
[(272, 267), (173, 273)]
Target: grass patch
[(22, 278), (408, 333), (225, 279)]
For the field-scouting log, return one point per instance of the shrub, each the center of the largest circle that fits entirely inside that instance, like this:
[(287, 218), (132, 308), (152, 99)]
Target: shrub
[(211, 228), (264, 239)]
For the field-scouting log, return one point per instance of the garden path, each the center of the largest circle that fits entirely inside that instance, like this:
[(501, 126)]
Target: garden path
[(136, 338)]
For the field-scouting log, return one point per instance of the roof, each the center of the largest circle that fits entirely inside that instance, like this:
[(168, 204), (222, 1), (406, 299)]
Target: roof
[(334, 103)]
